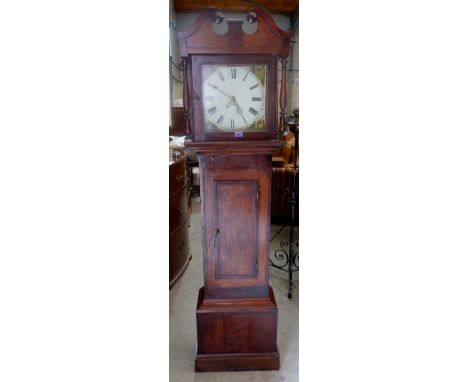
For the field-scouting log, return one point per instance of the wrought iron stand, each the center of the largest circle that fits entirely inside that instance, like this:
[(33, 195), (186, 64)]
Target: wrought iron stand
[(289, 252)]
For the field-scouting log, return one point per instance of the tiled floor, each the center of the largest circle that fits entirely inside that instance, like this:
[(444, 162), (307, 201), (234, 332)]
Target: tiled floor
[(183, 336)]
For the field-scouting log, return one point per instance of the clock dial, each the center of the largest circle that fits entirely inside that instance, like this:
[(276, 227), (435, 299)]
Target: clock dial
[(234, 98)]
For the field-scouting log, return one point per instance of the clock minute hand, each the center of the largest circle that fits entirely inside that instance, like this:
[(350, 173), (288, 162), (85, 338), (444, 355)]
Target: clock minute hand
[(223, 93)]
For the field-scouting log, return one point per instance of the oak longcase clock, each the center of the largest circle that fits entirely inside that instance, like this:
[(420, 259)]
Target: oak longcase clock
[(231, 116)]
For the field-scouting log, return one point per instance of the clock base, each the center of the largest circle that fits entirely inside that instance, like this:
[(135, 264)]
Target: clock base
[(237, 334), (237, 362)]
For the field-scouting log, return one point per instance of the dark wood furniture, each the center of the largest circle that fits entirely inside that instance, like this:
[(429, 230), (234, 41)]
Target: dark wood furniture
[(281, 188), (179, 218), (177, 120), (236, 310), (285, 178)]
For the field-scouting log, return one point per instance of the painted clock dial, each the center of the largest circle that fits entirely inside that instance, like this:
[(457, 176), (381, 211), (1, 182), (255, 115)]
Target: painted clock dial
[(233, 98)]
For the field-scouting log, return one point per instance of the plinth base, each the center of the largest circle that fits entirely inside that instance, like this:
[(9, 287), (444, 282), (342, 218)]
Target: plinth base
[(237, 361), (237, 334)]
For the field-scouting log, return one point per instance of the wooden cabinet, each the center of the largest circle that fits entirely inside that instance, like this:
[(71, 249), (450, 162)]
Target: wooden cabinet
[(179, 216)]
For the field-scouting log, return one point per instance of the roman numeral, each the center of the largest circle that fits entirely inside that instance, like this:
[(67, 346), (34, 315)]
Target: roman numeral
[(212, 110), (246, 74), (210, 98), (233, 73), (232, 123), (256, 99), (253, 87), (253, 111), (221, 76), (220, 120)]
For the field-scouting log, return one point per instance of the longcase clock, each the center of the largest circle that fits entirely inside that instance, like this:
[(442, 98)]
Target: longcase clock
[(230, 104)]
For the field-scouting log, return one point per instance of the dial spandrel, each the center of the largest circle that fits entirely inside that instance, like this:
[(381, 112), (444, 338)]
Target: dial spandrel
[(234, 98)]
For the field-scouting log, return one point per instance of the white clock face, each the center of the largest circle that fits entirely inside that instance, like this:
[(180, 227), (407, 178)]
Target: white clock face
[(234, 98)]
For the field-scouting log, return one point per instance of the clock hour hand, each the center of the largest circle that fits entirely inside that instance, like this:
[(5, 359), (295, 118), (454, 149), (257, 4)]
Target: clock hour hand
[(232, 99)]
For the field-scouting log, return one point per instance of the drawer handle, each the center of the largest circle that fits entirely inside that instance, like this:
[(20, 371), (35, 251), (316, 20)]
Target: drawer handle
[(179, 178)]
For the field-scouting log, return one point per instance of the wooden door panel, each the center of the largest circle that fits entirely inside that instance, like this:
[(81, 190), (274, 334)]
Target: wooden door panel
[(236, 217)]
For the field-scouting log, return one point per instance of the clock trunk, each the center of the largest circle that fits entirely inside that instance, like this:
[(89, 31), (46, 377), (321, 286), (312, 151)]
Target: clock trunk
[(236, 312)]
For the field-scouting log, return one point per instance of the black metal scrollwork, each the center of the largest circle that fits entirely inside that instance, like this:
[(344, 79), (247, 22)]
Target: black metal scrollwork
[(287, 258)]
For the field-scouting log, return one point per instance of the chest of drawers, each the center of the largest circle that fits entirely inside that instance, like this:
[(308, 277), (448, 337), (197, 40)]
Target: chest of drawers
[(179, 218)]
